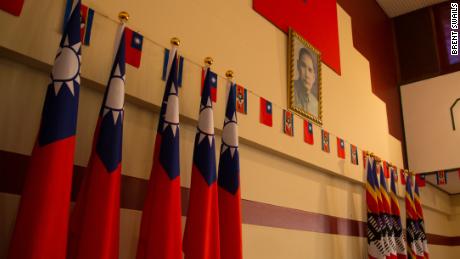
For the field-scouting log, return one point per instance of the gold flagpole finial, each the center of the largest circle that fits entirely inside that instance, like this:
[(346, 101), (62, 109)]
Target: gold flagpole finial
[(208, 61), (175, 41), (123, 17), (229, 74)]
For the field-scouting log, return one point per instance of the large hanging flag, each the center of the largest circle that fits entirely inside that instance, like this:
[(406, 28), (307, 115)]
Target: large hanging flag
[(201, 237), (42, 219), (396, 219), (382, 218), (230, 224), (241, 99), (340, 148), (133, 42), (266, 112), (288, 123), (375, 247), (13, 7), (161, 233), (421, 222), (354, 154), (386, 215), (415, 250), (95, 221), (308, 132), (325, 141), (441, 178)]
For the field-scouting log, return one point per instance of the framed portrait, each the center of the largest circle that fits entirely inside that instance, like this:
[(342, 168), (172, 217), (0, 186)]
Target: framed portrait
[(304, 78)]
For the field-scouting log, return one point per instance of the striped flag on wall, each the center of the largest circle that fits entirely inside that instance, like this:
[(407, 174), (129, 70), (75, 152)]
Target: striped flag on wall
[(441, 178)]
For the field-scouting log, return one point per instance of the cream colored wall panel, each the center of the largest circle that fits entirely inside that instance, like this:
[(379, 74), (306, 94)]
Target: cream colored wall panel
[(444, 252)]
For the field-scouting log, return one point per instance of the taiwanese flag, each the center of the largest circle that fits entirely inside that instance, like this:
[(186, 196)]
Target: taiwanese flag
[(13, 7), (266, 113), (95, 220), (414, 247), (420, 180), (441, 178), (340, 148), (213, 82), (230, 224), (308, 132), (325, 141), (42, 219), (374, 228), (288, 123), (388, 221), (133, 42), (161, 233), (421, 222), (201, 237), (396, 219)]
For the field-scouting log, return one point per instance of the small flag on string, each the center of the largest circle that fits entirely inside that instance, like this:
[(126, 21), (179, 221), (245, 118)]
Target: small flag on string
[(364, 159), (266, 114), (86, 24), (441, 178), (403, 178), (354, 154), (179, 67), (133, 41), (395, 173), (308, 132), (13, 7), (325, 141), (385, 169), (420, 179), (213, 82), (288, 123), (241, 99), (340, 148)]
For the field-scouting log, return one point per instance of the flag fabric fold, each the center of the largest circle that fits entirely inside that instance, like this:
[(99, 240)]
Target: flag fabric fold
[(386, 215), (382, 217), (421, 222), (160, 232), (95, 220), (42, 220), (201, 236), (230, 222), (396, 218)]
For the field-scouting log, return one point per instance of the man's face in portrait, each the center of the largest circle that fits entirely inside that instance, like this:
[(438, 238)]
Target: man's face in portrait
[(306, 71)]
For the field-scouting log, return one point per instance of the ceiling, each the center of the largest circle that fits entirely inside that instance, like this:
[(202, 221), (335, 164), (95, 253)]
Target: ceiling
[(453, 182), (395, 8)]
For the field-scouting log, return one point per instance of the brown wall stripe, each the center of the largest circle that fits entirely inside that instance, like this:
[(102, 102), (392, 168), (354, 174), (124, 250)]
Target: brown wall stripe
[(13, 167)]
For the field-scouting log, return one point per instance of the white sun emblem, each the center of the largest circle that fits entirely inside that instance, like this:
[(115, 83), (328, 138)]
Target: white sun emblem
[(115, 95), (230, 135), (171, 117), (66, 69), (206, 122)]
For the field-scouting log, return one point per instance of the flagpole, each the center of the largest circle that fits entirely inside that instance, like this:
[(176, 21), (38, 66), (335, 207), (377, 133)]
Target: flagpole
[(123, 16)]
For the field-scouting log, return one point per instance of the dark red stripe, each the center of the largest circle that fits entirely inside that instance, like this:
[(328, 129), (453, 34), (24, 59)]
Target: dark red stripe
[(13, 167)]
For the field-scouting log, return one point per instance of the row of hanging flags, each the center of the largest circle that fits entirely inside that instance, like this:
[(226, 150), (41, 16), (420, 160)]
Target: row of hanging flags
[(385, 235), (213, 228)]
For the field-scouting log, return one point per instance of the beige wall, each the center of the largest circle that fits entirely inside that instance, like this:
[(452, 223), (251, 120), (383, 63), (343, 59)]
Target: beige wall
[(303, 177), (432, 144)]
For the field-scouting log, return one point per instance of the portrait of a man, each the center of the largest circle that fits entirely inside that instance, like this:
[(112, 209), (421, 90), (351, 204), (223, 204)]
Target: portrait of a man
[(304, 89)]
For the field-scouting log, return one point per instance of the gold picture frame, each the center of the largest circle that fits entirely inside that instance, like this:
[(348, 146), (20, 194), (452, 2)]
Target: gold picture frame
[(304, 78)]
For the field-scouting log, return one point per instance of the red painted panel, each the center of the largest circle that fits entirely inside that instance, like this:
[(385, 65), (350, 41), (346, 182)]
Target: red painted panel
[(315, 20)]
